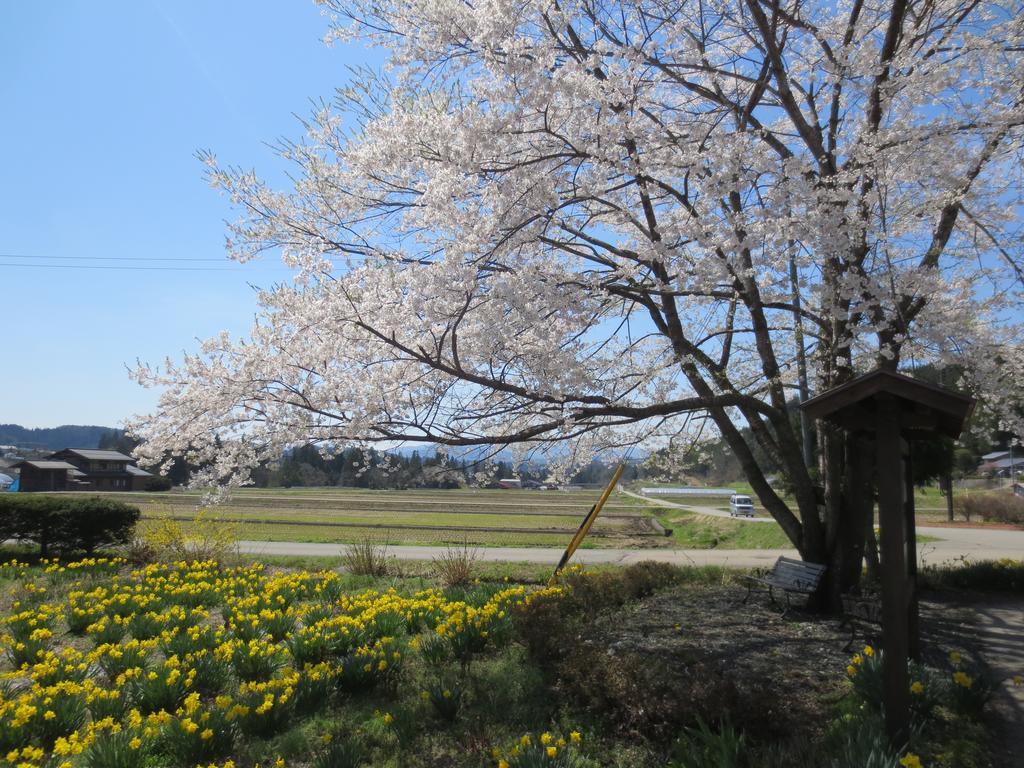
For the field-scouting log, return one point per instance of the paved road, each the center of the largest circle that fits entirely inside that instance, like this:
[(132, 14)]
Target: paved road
[(700, 510), (999, 627), (950, 544), (741, 558)]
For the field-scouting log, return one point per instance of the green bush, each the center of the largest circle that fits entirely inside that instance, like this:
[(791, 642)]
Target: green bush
[(67, 523), (158, 483), (1004, 575)]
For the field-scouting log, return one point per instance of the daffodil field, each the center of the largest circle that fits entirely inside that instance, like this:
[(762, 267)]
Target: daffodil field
[(205, 665), (182, 664)]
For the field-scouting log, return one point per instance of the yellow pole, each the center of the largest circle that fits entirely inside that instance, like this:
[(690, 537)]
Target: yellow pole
[(588, 521)]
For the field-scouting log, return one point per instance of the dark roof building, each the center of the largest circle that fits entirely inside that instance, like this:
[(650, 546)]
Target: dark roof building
[(83, 469)]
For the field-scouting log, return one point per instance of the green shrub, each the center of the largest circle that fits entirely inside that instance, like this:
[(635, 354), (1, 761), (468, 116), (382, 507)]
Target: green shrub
[(96, 523), (157, 483), (1004, 575), (67, 523)]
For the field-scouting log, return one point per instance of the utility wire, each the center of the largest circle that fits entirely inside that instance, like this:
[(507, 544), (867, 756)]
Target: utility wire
[(118, 267), (107, 258)]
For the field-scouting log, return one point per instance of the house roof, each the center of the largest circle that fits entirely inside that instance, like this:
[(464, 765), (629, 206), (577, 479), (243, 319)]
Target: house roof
[(133, 470), (95, 455), (1016, 461), (45, 464), (995, 455)]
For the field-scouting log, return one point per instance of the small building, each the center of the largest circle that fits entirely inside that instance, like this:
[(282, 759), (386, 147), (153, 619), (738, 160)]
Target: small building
[(510, 482), (83, 469), (45, 475)]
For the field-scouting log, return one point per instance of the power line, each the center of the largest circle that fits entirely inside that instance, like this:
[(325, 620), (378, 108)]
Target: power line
[(107, 258), (119, 267)]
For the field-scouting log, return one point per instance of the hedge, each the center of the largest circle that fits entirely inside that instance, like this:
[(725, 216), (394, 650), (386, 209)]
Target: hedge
[(66, 523)]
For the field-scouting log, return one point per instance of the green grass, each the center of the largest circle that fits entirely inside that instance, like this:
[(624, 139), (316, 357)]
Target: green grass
[(694, 531)]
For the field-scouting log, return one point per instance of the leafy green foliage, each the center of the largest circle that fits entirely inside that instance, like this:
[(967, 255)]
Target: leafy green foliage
[(700, 746), (67, 523)]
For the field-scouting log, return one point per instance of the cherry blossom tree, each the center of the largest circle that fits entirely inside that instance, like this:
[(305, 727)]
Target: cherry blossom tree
[(600, 223)]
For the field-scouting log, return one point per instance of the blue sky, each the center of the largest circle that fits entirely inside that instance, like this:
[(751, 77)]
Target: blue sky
[(102, 107)]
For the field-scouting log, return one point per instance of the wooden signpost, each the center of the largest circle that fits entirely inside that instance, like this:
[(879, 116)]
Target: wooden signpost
[(891, 408)]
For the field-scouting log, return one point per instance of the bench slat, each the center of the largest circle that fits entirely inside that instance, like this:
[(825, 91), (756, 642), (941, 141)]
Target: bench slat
[(794, 575)]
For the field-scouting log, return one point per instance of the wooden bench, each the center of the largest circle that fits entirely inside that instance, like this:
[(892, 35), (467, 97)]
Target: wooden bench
[(790, 577), (859, 612)]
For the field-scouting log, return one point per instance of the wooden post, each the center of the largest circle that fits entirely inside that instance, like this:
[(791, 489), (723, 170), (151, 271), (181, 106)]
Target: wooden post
[(910, 531), (892, 523), (947, 486)]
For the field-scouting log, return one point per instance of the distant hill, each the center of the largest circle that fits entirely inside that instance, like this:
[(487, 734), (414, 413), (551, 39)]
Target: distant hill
[(53, 438)]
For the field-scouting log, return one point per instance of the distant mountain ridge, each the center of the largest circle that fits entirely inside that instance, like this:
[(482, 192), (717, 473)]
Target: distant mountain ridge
[(53, 438)]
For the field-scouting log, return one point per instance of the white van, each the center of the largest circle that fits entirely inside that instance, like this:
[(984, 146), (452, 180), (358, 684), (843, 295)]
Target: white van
[(741, 506)]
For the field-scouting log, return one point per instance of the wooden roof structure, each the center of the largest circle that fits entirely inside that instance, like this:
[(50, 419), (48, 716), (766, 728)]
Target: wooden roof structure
[(923, 407)]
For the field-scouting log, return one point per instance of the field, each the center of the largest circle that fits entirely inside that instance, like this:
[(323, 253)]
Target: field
[(929, 502), (476, 516)]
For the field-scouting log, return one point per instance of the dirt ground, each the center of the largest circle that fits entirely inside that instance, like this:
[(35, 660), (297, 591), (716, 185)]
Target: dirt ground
[(803, 657), (798, 657)]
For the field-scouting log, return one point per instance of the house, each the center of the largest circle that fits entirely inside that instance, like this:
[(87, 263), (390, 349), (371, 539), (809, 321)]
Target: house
[(1005, 467), (510, 482), (83, 469)]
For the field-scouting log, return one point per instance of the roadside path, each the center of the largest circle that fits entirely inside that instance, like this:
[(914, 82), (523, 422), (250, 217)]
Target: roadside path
[(696, 509), (950, 544), (740, 558), (999, 629)]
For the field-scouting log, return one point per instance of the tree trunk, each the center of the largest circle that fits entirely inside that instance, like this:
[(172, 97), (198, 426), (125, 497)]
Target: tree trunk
[(847, 470), (872, 562)]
